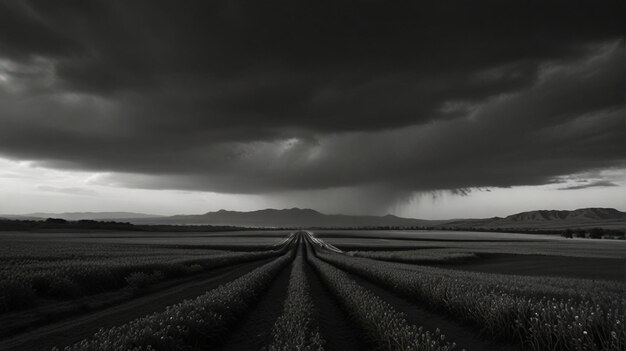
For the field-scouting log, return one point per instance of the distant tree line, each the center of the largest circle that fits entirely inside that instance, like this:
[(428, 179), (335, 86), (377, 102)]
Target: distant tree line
[(52, 224), (62, 224), (594, 233)]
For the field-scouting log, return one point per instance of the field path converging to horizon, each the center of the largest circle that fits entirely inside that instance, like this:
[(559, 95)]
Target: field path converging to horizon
[(298, 291)]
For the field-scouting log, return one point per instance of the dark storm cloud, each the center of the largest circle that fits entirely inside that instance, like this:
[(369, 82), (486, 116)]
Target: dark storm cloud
[(258, 96)]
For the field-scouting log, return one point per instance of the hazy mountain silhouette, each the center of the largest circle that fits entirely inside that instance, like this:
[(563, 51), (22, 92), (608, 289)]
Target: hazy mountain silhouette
[(76, 216), (551, 219), (304, 218), (295, 217), (583, 213)]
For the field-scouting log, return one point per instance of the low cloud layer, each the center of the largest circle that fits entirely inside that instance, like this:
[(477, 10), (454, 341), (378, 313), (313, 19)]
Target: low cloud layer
[(287, 96), (587, 185), (68, 191)]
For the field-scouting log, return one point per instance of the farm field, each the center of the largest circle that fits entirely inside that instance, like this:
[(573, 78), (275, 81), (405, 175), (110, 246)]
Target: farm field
[(557, 246), (326, 290), (245, 240), (434, 235)]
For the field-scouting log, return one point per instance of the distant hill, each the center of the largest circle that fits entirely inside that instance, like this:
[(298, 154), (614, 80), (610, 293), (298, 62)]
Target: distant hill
[(584, 214), (293, 217), (98, 216), (551, 219), (607, 218), (296, 217)]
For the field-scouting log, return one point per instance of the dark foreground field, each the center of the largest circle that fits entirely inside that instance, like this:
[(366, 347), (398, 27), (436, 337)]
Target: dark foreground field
[(296, 291)]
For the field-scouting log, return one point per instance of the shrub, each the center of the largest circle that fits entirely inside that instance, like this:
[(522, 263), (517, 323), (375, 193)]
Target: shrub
[(580, 233), (596, 233), (56, 220)]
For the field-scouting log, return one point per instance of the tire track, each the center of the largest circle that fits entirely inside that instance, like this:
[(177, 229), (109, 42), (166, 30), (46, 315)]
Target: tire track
[(334, 325), (253, 331), (465, 336)]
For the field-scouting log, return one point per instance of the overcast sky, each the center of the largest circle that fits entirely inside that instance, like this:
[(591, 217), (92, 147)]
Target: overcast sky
[(425, 109)]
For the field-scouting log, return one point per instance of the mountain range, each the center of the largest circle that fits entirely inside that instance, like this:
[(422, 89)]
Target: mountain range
[(550, 219), (296, 217), (76, 216)]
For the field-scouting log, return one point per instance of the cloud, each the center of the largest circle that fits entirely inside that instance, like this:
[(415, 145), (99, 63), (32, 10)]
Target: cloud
[(291, 96), (514, 140), (68, 191), (599, 183)]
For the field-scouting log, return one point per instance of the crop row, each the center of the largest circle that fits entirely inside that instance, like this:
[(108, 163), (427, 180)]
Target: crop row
[(387, 329), (295, 329), (22, 282), (191, 324), (598, 291), (51, 250), (511, 307), (417, 256)]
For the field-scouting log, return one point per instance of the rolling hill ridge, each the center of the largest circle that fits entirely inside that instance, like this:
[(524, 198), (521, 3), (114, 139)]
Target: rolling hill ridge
[(307, 218), (550, 219)]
